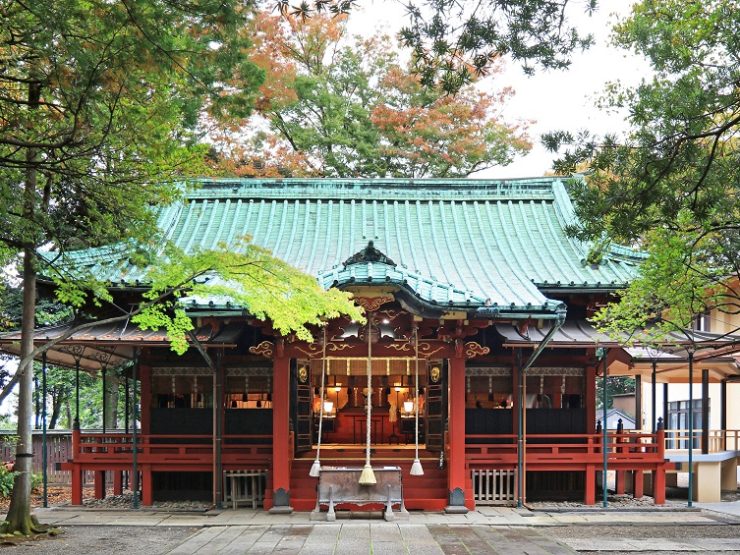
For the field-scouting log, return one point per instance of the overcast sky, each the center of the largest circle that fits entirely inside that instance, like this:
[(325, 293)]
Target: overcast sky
[(552, 99)]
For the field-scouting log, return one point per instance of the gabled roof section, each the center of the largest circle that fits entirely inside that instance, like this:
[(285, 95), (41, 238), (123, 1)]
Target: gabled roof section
[(371, 267), (484, 243)]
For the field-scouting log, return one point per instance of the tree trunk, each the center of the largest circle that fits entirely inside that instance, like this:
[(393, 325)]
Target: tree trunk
[(59, 396), (19, 517), (19, 514), (68, 412)]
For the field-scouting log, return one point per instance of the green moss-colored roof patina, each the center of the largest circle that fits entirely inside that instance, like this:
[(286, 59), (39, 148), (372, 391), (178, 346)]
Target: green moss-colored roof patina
[(493, 246)]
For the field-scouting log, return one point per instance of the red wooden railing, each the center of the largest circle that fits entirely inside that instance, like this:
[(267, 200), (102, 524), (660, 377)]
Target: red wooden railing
[(718, 440), (155, 449), (566, 451)]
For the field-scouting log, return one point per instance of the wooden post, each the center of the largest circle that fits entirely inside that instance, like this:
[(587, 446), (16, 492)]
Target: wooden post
[(147, 488), (117, 482), (281, 433), (76, 469), (456, 423), (639, 484), (590, 494)]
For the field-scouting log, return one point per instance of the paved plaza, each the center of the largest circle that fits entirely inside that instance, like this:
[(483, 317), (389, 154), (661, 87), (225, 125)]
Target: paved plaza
[(507, 531)]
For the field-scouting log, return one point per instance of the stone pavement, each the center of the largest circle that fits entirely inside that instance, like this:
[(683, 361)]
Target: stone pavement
[(377, 538), (491, 516), (488, 530)]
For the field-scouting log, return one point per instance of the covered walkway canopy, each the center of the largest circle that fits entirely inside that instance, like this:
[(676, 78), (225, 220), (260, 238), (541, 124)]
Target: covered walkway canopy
[(109, 345)]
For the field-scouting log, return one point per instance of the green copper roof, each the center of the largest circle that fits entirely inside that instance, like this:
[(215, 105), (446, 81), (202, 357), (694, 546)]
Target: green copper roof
[(477, 243)]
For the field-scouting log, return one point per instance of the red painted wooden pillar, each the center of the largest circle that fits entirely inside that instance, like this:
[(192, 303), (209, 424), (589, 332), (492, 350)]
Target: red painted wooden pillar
[(117, 482), (76, 469), (590, 494), (146, 398), (147, 488), (76, 485), (281, 434), (639, 483), (456, 419)]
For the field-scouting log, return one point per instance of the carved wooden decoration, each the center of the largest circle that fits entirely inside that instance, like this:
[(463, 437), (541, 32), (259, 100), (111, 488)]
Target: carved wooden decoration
[(264, 348), (473, 349), (309, 350), (400, 346), (371, 304), (427, 350), (336, 347)]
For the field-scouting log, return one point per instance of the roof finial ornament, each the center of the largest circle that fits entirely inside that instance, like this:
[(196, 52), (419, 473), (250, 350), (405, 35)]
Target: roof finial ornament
[(369, 254)]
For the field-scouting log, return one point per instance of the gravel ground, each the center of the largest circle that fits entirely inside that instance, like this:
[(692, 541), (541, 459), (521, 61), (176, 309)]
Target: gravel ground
[(675, 533), (97, 540), (126, 501), (672, 533)]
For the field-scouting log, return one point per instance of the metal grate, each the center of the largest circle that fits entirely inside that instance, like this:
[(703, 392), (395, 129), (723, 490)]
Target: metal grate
[(494, 487)]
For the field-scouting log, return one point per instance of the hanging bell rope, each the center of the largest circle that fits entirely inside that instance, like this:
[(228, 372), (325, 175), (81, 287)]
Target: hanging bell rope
[(367, 477), (316, 466), (416, 469)]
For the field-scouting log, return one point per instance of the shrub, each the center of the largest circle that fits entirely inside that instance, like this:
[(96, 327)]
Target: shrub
[(6, 481)]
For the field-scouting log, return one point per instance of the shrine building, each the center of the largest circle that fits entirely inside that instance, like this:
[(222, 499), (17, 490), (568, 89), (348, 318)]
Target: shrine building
[(477, 351)]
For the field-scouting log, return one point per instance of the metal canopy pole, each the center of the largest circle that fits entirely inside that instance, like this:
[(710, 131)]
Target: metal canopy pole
[(723, 412), (104, 371), (601, 352), (76, 424), (126, 401), (654, 395), (44, 446), (705, 411), (691, 427)]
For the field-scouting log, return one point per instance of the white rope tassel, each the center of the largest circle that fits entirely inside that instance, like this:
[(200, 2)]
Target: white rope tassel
[(367, 477), (416, 469), (316, 466)]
